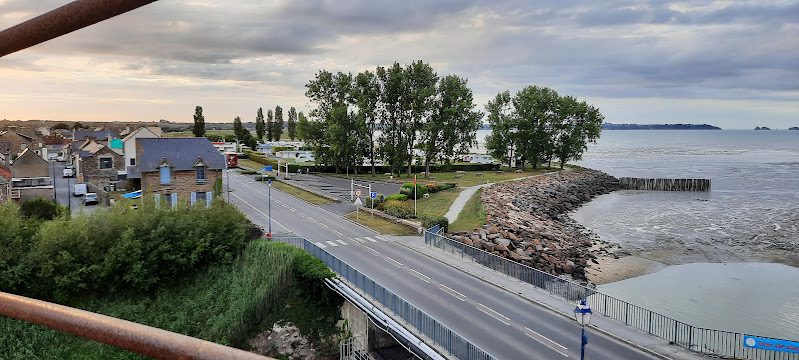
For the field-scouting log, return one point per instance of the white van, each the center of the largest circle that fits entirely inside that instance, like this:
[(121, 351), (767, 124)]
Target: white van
[(79, 190), (69, 172)]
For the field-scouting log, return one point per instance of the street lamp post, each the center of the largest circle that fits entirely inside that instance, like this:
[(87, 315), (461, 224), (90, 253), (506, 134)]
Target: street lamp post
[(269, 211), (69, 195), (582, 313)]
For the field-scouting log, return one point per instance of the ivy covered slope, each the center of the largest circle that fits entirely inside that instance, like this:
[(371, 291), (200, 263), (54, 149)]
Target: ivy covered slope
[(193, 271)]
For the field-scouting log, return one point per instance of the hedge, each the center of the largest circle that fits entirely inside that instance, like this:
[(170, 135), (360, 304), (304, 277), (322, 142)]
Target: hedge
[(400, 209), (398, 197), (407, 189), (429, 221)]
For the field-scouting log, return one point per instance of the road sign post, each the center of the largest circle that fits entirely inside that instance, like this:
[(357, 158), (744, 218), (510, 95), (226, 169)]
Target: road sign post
[(269, 210)]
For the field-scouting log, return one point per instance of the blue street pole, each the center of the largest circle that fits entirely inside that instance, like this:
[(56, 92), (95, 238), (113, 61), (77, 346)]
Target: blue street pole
[(269, 209), (582, 313), (583, 341)]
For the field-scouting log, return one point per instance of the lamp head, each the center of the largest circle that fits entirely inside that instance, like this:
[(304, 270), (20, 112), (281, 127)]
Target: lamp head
[(582, 313)]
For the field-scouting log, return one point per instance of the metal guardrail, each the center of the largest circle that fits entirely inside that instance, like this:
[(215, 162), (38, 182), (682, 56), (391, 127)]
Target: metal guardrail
[(444, 337), (138, 338), (720, 343)]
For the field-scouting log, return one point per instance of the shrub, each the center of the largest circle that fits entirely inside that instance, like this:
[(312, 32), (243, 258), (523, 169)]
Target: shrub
[(400, 209), (264, 177), (429, 221), (248, 172), (398, 197), (375, 203), (39, 209), (407, 189)]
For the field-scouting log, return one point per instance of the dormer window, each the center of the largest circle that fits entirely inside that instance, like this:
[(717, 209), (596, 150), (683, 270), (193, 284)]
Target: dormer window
[(165, 173), (199, 171)]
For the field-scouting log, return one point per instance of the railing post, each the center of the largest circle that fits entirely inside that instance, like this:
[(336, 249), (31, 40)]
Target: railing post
[(650, 322), (626, 312)]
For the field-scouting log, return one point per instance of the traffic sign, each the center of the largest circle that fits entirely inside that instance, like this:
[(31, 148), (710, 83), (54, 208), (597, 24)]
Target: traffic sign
[(373, 195), (270, 182), (267, 168), (358, 202), (357, 192)]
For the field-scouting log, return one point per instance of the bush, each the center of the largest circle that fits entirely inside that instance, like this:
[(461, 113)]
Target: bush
[(407, 189), (39, 209), (400, 209), (248, 172), (429, 221), (264, 177), (117, 250), (397, 197), (374, 203)]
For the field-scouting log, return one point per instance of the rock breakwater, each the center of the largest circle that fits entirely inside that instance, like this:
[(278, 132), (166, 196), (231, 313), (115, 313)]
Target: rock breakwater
[(527, 221)]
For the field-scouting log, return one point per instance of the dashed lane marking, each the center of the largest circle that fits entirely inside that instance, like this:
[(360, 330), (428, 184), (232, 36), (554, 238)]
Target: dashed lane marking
[(331, 243), (548, 343), (452, 292), (341, 242), (338, 232), (373, 250), (320, 245), (395, 262), (490, 312), (358, 240), (370, 239), (424, 277)]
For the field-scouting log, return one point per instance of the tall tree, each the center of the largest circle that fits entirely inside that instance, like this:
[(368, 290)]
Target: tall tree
[(270, 126), (328, 91), (536, 108), (366, 94), (302, 126), (277, 132), (577, 124), (501, 143), (452, 128), (291, 125), (394, 116), (199, 122), (260, 125), (238, 128), (422, 81)]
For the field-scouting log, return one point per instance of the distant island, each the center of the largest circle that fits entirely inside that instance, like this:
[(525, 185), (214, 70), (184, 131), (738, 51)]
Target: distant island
[(794, 128), (610, 126), (762, 128)]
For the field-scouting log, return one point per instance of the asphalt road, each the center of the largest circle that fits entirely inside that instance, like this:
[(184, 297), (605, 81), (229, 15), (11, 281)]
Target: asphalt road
[(63, 190), (499, 322)]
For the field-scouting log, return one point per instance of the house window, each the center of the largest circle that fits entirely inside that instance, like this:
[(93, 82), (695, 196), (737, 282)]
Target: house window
[(203, 198), (200, 171), (166, 175), (106, 163), (170, 200), (132, 161)]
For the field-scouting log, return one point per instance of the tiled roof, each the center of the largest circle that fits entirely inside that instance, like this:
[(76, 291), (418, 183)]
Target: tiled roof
[(180, 153)]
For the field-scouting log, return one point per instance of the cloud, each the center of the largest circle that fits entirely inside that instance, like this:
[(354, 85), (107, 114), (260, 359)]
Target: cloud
[(268, 50)]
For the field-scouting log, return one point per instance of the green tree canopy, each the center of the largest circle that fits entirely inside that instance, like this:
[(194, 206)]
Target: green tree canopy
[(270, 126), (238, 128), (260, 125), (199, 122), (291, 125), (277, 132)]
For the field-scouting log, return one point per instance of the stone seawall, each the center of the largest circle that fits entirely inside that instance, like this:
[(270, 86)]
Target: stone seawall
[(527, 221), (630, 183)]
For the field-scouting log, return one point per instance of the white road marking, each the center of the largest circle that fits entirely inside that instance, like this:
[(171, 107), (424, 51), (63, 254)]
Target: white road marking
[(320, 245), (382, 238), (325, 225), (452, 292), (490, 312), (535, 336), (424, 277), (338, 232), (373, 250), (396, 263), (284, 205), (331, 243), (261, 212), (293, 210), (358, 240), (370, 239), (341, 242)]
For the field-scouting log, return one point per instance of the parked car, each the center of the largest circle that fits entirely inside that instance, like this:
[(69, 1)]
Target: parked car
[(60, 158), (89, 198), (79, 190), (69, 172)]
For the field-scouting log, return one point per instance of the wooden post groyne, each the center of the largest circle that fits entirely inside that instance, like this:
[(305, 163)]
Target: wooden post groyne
[(630, 183)]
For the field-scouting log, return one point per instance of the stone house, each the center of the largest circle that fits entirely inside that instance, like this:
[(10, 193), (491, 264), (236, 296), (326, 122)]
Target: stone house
[(98, 165), (14, 143), (30, 177), (177, 170)]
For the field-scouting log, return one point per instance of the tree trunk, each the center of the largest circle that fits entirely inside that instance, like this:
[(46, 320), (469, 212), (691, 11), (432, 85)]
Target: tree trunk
[(427, 168), (372, 151)]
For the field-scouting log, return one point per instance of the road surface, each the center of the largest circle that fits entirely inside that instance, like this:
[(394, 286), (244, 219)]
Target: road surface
[(499, 322)]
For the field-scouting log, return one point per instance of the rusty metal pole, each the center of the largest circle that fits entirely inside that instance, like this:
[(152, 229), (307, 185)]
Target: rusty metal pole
[(64, 20), (142, 339)]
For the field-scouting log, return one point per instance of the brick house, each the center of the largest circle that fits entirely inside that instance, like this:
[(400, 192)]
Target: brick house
[(98, 165), (177, 170)]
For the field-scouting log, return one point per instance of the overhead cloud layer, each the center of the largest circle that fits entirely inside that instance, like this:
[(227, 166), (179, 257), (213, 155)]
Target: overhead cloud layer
[(733, 64)]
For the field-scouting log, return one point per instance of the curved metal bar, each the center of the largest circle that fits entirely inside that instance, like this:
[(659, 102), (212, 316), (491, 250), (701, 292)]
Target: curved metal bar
[(63, 20), (142, 339)]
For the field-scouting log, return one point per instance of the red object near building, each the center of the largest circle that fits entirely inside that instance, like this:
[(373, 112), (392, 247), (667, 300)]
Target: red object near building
[(232, 159)]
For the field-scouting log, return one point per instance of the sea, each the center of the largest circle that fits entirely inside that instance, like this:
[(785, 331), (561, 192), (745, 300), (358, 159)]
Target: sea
[(731, 253)]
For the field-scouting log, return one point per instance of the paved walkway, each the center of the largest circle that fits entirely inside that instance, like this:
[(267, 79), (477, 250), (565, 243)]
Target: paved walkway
[(460, 201), (531, 293)]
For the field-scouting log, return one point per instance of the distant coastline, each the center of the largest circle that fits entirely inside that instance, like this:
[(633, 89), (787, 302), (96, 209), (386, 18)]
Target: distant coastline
[(794, 128), (611, 126)]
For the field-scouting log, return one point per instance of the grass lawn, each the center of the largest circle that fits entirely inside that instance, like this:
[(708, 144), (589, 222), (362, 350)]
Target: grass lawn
[(302, 194), (468, 178), (473, 215), (437, 204), (380, 225)]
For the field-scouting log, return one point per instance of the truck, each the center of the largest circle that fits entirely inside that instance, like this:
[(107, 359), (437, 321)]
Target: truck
[(79, 190)]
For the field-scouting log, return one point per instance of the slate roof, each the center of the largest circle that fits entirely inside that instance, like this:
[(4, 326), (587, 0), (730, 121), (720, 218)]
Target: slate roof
[(98, 135), (180, 153)]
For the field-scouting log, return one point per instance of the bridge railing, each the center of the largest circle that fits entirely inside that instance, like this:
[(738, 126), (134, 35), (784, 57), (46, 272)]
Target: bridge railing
[(443, 336), (720, 343)]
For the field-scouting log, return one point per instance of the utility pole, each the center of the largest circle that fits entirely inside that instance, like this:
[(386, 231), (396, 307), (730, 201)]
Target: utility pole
[(55, 193), (269, 211)]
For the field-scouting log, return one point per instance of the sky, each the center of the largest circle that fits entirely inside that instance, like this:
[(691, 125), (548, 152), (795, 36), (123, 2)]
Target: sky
[(727, 63)]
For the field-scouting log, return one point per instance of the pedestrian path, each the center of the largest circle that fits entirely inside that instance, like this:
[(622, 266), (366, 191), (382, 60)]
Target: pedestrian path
[(460, 201), (348, 241)]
